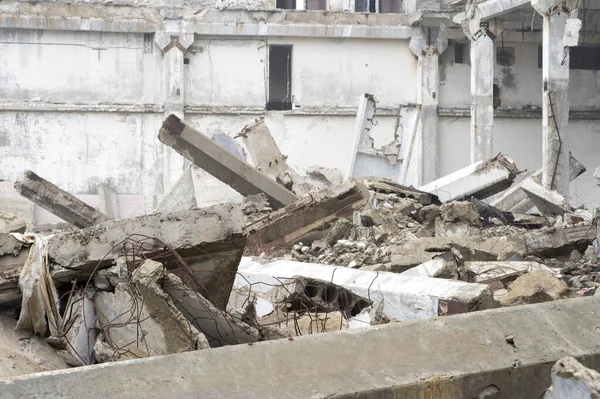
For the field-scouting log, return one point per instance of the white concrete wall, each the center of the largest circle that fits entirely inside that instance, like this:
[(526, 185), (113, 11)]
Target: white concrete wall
[(522, 140)]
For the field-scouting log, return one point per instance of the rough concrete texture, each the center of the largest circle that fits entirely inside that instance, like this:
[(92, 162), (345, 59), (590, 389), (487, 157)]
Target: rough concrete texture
[(404, 298), (58, 201), (216, 160), (143, 316), (10, 223), (554, 241), (14, 203), (572, 380), (479, 180), (79, 328), (547, 202), (463, 356), (212, 250), (23, 353), (9, 245), (487, 272), (535, 287)]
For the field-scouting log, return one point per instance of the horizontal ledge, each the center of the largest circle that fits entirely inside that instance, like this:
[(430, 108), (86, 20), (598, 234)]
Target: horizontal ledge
[(42, 106), (518, 113)]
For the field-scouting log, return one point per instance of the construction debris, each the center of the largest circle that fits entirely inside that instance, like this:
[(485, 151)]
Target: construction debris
[(535, 287), (10, 223), (571, 379), (57, 201), (547, 202)]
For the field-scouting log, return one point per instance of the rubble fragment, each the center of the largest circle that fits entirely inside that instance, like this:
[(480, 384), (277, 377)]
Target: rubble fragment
[(547, 202), (57, 201), (535, 287), (10, 223), (490, 271), (571, 379)]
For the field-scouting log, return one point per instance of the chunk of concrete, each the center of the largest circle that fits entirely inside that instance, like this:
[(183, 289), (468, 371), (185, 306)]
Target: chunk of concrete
[(404, 298), (547, 202), (57, 201), (210, 240), (10, 223), (142, 315), (268, 157), (479, 180), (316, 211), (554, 241), (78, 328), (220, 328), (572, 380), (490, 271), (535, 287), (442, 266), (462, 356), (217, 161)]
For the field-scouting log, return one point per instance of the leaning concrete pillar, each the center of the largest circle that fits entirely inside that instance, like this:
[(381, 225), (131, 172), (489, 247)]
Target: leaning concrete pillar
[(427, 51), (174, 45), (482, 91), (555, 103)]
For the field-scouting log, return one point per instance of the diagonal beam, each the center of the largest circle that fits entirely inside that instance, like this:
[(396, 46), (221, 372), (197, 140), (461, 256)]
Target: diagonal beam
[(493, 8)]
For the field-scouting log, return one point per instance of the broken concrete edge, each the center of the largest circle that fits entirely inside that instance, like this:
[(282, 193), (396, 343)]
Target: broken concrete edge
[(571, 379), (57, 201), (314, 211), (216, 160), (548, 202), (422, 362), (479, 180)]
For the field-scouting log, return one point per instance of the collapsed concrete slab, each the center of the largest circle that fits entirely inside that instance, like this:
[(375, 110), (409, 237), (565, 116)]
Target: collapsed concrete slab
[(463, 356), (514, 199), (488, 272), (316, 211), (57, 201), (479, 180), (210, 156), (554, 241), (547, 202), (210, 240), (404, 298), (571, 379)]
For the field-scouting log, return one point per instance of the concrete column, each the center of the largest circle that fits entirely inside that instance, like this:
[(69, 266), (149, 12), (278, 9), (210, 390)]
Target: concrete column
[(555, 104), (482, 92), (428, 51), (174, 44)]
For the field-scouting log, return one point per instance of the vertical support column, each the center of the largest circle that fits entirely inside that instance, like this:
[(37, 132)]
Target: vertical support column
[(555, 93), (174, 46), (482, 92), (427, 52)]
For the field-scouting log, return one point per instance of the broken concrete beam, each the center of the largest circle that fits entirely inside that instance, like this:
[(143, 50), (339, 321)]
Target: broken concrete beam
[(385, 186), (57, 201), (404, 298), (490, 271), (268, 157), (109, 201), (571, 379), (219, 162), (210, 240), (555, 241), (443, 266), (515, 200), (314, 212), (414, 252), (479, 180), (547, 202), (464, 356)]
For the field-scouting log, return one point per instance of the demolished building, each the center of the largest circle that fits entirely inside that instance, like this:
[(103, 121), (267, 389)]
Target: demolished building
[(252, 176)]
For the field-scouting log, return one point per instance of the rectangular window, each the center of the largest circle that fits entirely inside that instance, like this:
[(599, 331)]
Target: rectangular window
[(462, 53), (280, 78), (580, 57), (365, 6), (286, 4), (391, 7), (316, 5), (379, 6)]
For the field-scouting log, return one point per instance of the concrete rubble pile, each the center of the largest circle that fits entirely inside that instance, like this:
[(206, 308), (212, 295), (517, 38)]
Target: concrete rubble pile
[(301, 255)]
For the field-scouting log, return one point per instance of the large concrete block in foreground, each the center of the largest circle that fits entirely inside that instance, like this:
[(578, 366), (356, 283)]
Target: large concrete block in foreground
[(500, 353)]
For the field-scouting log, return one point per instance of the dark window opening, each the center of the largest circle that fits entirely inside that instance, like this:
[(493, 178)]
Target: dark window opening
[(497, 99), (148, 43), (364, 5), (186, 61), (286, 4), (580, 57), (280, 78), (461, 53), (316, 5), (505, 56)]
